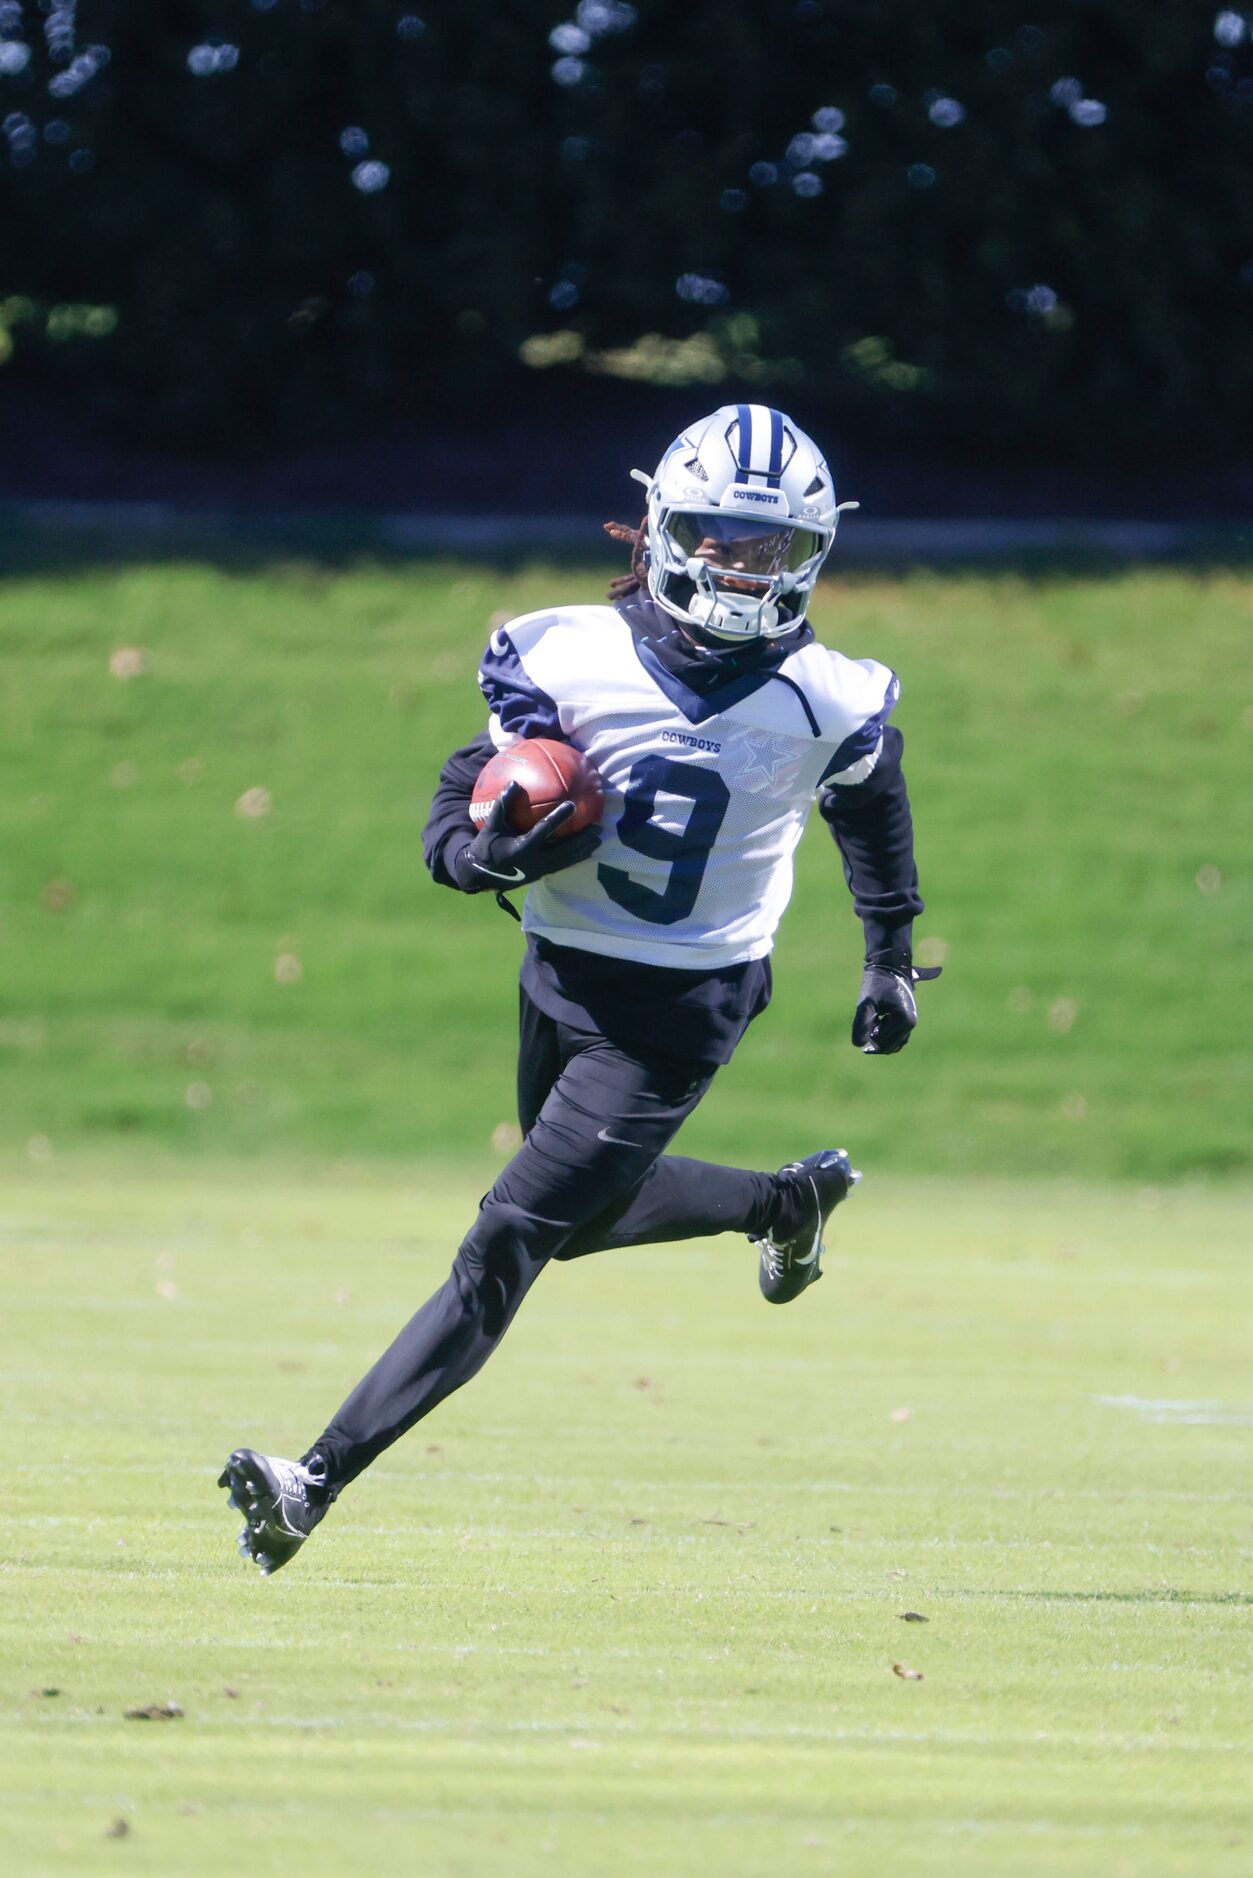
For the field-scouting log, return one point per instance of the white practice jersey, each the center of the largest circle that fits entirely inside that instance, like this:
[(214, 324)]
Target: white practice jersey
[(705, 797)]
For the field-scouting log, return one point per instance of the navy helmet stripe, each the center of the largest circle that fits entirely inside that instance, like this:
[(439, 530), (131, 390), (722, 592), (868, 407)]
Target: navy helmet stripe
[(744, 454), (761, 432), (776, 449)]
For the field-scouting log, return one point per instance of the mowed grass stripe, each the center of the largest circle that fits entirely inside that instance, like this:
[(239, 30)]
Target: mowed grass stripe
[(577, 1623)]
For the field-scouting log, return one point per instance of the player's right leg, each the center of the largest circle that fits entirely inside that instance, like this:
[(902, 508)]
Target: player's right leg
[(605, 1120), (281, 1501)]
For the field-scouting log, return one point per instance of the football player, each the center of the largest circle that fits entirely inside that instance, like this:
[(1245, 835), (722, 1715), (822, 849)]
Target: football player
[(715, 720)]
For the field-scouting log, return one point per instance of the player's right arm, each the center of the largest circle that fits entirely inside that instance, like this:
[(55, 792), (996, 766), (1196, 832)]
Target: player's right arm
[(459, 855), (449, 830), (491, 858)]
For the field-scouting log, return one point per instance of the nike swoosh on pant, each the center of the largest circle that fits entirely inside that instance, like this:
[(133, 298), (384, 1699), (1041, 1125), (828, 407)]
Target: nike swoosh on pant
[(603, 1134)]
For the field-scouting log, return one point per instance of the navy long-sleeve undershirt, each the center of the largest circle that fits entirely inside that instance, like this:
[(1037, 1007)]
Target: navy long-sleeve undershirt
[(873, 827)]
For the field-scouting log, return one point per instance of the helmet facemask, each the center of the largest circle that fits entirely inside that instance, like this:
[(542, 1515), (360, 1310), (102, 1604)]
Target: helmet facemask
[(730, 577)]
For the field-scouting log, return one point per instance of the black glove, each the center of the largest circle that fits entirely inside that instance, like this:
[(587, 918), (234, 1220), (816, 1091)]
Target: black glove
[(886, 1012), (498, 858)]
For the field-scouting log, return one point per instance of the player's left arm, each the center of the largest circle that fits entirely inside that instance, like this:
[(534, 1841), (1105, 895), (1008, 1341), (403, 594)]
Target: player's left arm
[(866, 806)]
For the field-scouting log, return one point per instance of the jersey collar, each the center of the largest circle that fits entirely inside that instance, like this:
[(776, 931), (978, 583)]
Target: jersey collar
[(698, 682)]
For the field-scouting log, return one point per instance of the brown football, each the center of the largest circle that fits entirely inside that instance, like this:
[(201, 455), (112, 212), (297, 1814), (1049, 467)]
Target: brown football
[(550, 773)]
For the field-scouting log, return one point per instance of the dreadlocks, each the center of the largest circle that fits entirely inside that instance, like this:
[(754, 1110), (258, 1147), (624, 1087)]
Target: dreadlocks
[(626, 584)]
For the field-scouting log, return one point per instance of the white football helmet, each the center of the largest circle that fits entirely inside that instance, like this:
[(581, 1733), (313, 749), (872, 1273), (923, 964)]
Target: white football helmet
[(741, 516)]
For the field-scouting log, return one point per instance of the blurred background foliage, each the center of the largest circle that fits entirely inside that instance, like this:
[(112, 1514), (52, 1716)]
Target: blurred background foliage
[(1003, 231)]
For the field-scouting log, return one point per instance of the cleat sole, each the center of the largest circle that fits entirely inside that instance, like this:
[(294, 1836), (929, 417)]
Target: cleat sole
[(269, 1540)]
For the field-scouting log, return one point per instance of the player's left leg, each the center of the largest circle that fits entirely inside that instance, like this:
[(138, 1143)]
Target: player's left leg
[(676, 1198), (783, 1214)]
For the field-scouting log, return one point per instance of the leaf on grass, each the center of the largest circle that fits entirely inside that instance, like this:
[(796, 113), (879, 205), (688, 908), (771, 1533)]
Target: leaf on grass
[(120, 1829), (155, 1711), (913, 1617), (127, 661), (59, 894), (254, 805), (49, 1691), (905, 1673), (227, 1690)]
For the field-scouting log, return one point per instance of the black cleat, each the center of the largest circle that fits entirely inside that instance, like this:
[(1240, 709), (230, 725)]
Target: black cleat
[(278, 1507), (789, 1266)]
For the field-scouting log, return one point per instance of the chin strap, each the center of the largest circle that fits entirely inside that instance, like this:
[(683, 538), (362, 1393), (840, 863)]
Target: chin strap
[(701, 577)]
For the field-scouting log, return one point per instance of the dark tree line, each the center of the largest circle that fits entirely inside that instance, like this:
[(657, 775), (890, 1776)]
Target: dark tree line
[(234, 222)]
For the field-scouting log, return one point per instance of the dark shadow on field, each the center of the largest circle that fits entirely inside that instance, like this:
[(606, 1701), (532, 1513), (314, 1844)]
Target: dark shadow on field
[(78, 542), (1162, 1596)]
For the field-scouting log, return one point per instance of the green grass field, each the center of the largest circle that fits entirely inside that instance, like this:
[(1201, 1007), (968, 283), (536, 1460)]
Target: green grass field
[(632, 1601), (1077, 753)]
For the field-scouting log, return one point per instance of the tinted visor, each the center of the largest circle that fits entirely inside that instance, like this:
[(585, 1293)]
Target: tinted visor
[(743, 547)]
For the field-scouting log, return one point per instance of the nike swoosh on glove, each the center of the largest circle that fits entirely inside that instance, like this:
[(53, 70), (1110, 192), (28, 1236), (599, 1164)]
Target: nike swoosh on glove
[(498, 858), (886, 1012)]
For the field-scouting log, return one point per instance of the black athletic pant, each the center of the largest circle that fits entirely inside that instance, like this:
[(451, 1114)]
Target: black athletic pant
[(590, 1174)]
